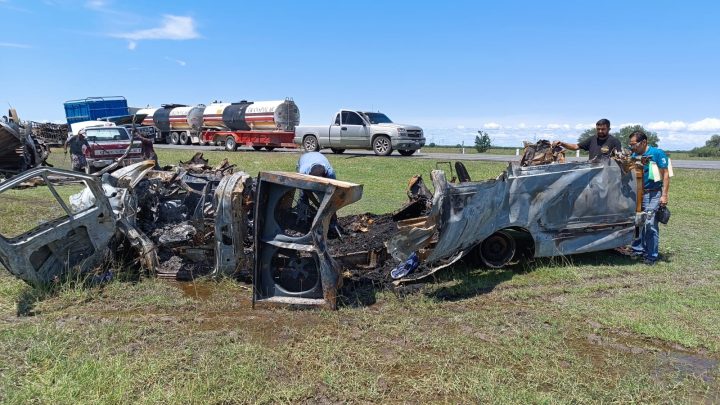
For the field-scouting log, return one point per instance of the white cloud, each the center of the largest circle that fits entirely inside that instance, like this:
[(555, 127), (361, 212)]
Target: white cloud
[(708, 124), (553, 126), (461, 127), (13, 45), (96, 4), (492, 125), (173, 27), (522, 125), (629, 124), (666, 126), (582, 127), (178, 61)]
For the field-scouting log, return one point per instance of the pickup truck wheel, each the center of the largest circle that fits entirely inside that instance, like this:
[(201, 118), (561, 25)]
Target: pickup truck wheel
[(174, 138), (310, 143), (230, 144), (406, 152), (382, 146), (337, 150), (269, 148), (258, 148), (185, 138), (497, 250)]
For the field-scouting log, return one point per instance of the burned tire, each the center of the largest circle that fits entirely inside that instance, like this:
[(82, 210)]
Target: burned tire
[(230, 144), (406, 152), (337, 151), (174, 138), (497, 250), (310, 143), (257, 148), (382, 146)]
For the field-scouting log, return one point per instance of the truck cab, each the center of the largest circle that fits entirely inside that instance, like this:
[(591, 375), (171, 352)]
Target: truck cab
[(107, 144), (361, 130)]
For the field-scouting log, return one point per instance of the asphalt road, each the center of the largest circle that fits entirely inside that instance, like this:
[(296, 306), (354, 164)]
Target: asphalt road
[(678, 164)]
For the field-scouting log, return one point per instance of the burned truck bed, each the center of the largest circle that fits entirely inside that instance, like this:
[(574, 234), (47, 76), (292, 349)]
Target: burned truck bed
[(19, 148), (192, 220)]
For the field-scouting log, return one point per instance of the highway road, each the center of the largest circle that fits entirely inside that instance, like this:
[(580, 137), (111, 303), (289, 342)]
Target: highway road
[(678, 164)]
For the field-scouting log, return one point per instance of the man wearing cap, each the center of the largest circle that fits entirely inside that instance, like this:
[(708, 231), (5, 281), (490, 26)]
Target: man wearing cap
[(77, 155), (655, 194), (602, 144), (146, 148)]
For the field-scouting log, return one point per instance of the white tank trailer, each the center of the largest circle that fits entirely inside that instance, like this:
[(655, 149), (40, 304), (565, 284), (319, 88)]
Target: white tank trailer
[(178, 123), (278, 115)]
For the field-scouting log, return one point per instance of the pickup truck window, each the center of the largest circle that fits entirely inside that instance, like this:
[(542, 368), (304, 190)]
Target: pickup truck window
[(377, 118), (351, 118), (337, 119), (107, 134)]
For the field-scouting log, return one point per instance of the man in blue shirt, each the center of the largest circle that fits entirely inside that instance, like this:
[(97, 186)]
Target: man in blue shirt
[(655, 194), (315, 164)]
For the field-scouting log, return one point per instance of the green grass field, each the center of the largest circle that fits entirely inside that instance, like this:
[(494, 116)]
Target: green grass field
[(586, 328)]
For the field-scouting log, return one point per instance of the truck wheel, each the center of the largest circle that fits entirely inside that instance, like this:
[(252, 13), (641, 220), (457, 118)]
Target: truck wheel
[(337, 150), (185, 138), (310, 143), (269, 148), (258, 148), (406, 152), (230, 144), (203, 143), (382, 146), (497, 249), (174, 138)]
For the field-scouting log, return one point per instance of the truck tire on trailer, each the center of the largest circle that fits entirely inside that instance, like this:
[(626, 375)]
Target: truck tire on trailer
[(185, 138), (406, 152), (382, 146), (269, 148), (337, 151), (230, 144), (174, 138), (257, 148), (310, 143)]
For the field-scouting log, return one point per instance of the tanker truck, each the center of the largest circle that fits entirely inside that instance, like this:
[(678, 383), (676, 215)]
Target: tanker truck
[(178, 124), (260, 124)]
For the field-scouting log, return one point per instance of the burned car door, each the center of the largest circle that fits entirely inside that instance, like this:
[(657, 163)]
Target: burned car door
[(53, 220)]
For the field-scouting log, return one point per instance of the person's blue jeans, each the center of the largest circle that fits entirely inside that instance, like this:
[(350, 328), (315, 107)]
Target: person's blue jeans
[(648, 242)]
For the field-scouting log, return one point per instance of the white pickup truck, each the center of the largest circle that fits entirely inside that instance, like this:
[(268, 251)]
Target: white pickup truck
[(361, 130)]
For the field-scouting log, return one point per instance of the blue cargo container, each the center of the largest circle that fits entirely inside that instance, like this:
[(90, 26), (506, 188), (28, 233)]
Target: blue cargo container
[(92, 108)]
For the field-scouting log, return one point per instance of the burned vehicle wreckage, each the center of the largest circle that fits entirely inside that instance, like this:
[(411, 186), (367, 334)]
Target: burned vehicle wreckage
[(192, 220)]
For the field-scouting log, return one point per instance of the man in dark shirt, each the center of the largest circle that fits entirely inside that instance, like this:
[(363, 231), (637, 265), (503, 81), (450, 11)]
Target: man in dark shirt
[(146, 148), (77, 155), (603, 144)]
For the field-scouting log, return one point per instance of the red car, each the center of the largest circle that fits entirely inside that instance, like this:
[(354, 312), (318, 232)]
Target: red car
[(107, 144)]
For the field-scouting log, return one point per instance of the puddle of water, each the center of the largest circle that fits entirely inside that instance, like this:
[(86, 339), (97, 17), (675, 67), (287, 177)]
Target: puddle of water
[(670, 361), (197, 290)]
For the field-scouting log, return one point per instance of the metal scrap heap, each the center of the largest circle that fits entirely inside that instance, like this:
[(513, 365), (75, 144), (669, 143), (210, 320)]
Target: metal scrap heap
[(19, 148)]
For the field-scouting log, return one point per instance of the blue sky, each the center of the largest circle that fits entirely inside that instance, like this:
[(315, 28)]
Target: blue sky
[(520, 70)]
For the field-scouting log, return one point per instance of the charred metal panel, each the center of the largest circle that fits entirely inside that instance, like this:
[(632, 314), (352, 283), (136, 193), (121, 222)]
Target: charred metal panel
[(78, 237), (292, 216), (567, 208), (232, 200)]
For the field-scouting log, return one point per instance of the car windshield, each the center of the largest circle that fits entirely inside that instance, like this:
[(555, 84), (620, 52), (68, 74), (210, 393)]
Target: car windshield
[(377, 118), (107, 134)]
